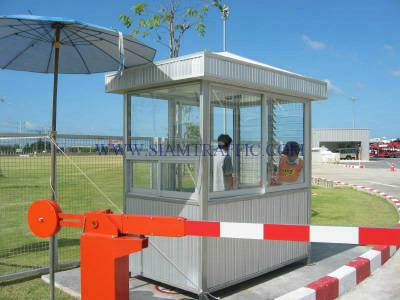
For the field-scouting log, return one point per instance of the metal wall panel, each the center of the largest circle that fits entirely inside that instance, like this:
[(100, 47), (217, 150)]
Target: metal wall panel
[(228, 260), (231, 260), (343, 135), (183, 252)]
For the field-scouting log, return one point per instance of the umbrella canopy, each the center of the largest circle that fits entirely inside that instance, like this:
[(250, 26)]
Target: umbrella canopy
[(27, 44), (58, 45)]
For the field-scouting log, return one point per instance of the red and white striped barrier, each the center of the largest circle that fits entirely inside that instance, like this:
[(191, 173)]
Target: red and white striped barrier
[(296, 233)]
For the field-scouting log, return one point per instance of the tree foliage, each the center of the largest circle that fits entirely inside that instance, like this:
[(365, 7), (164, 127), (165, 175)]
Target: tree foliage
[(167, 21)]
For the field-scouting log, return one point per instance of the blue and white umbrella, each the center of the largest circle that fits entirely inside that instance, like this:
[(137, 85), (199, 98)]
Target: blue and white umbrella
[(28, 43), (57, 45)]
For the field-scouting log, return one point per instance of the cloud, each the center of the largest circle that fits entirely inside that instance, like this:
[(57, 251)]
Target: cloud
[(396, 73), (334, 89), (390, 49), (316, 45), (31, 125)]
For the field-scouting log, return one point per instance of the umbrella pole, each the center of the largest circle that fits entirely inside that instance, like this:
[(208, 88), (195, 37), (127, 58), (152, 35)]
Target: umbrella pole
[(53, 180)]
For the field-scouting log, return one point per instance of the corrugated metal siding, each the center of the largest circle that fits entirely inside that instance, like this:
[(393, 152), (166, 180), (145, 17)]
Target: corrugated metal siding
[(342, 135), (184, 252), (230, 260), (247, 75), (217, 68), (157, 73)]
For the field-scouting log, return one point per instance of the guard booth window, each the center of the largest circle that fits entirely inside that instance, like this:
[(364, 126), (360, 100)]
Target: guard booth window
[(235, 118), (285, 163), (165, 138)]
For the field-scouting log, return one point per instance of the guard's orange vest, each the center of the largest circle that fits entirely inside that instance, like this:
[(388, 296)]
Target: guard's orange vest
[(289, 172)]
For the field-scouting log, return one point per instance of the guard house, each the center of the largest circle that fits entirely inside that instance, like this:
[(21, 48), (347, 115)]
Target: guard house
[(174, 112)]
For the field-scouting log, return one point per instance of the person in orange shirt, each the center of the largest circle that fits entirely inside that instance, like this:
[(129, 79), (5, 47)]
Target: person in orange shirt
[(290, 164)]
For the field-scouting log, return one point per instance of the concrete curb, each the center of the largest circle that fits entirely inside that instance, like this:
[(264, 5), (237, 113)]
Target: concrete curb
[(354, 166), (345, 278)]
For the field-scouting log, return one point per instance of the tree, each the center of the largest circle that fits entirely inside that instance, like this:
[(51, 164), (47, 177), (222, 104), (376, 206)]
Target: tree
[(170, 22)]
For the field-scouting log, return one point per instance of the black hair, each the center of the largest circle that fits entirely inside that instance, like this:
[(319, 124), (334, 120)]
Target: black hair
[(291, 149), (224, 141)]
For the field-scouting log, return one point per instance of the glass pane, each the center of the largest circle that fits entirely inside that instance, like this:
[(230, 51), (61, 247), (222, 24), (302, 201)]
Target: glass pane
[(285, 142), (144, 174), (181, 177), (236, 118), (167, 116)]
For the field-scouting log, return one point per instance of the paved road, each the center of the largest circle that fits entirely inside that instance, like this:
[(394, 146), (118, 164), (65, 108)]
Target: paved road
[(376, 177), (376, 163), (385, 283)]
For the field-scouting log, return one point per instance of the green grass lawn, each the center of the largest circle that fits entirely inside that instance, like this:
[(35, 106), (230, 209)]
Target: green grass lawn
[(345, 206), (29, 289), (23, 180)]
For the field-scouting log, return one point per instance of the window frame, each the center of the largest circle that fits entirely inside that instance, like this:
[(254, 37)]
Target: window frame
[(255, 190), (129, 157), (306, 132), (264, 189)]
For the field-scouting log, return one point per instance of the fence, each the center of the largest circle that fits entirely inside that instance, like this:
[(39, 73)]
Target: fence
[(322, 182), (89, 176)]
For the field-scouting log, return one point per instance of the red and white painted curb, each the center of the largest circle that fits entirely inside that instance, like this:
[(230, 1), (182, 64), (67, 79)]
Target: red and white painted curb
[(354, 166), (345, 278)]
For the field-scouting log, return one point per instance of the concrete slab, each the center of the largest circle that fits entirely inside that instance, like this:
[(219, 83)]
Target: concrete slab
[(325, 258)]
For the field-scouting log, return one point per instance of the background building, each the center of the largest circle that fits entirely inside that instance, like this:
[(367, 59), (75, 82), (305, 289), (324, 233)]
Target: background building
[(342, 140)]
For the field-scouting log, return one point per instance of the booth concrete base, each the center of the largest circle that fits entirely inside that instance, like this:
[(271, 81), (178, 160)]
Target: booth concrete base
[(324, 259)]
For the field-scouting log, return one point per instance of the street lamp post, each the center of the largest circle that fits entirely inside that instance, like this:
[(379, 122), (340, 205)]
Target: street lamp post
[(225, 14), (354, 99)]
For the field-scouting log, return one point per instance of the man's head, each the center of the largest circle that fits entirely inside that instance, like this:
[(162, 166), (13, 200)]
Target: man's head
[(291, 150), (224, 141)]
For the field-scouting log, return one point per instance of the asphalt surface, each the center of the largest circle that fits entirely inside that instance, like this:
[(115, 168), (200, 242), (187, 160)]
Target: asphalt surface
[(376, 174), (376, 163)]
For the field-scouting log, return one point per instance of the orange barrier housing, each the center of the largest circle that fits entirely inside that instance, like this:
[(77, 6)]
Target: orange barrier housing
[(106, 238)]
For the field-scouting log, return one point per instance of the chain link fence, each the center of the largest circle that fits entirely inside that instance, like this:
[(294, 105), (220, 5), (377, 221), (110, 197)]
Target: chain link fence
[(89, 176)]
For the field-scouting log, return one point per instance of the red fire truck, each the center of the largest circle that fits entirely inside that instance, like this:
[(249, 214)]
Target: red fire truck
[(385, 150)]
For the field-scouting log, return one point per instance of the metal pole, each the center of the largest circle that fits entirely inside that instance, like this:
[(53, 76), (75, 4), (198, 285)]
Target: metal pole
[(53, 135), (225, 13), (353, 99), (224, 34)]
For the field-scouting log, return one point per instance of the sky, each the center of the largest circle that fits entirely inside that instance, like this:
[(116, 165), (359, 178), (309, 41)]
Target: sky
[(355, 45)]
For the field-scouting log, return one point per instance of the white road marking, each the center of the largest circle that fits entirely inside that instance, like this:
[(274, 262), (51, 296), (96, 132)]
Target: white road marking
[(385, 184)]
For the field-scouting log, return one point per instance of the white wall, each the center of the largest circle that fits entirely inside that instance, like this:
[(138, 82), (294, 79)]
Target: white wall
[(343, 135)]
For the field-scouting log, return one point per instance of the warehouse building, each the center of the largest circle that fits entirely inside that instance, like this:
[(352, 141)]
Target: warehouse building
[(352, 143)]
